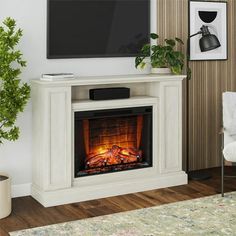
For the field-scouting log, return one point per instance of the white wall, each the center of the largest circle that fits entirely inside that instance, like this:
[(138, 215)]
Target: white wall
[(15, 157)]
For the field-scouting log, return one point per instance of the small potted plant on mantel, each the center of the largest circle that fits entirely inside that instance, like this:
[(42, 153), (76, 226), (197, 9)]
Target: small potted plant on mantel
[(13, 98), (164, 59)]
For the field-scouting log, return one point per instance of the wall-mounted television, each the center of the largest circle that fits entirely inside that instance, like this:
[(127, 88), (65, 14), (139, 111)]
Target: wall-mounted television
[(97, 28)]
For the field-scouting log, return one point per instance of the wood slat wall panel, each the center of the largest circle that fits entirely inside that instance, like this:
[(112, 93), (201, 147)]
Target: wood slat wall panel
[(209, 80)]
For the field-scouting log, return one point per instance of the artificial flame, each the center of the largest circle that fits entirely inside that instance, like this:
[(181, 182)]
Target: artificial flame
[(113, 156), (101, 150)]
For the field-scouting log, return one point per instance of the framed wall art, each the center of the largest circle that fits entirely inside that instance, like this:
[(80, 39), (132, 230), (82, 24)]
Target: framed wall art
[(207, 30)]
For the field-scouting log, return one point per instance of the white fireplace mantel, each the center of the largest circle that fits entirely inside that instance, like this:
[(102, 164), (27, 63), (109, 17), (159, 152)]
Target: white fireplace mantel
[(54, 104)]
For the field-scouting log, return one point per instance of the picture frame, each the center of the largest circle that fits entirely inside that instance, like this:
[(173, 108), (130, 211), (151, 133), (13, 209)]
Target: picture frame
[(207, 18)]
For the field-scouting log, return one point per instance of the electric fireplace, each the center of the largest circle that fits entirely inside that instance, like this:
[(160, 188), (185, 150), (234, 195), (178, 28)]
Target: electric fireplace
[(112, 140), (85, 150)]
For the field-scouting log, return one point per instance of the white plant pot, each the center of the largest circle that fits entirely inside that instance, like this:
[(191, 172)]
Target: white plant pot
[(161, 71), (5, 195)]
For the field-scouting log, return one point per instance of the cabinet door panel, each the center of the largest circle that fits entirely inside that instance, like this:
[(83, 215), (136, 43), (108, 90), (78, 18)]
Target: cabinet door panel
[(171, 126), (59, 138)]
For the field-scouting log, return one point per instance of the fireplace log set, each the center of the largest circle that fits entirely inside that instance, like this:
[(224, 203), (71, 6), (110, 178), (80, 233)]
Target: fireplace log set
[(113, 156)]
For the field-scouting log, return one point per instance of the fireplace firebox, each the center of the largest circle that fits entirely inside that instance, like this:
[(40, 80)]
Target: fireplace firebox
[(112, 140)]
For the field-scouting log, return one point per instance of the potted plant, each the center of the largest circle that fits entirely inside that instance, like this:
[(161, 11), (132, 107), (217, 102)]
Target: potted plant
[(163, 58), (13, 98)]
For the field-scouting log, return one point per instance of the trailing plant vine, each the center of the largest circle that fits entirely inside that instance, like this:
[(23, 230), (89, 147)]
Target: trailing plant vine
[(13, 93)]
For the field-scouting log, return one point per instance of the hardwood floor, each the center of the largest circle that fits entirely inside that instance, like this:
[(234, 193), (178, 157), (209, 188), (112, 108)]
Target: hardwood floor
[(28, 213)]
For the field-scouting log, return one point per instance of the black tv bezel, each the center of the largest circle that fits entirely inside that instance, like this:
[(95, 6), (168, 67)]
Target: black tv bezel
[(93, 55)]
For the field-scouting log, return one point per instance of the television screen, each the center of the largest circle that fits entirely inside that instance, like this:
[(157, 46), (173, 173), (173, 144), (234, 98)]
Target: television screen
[(97, 28)]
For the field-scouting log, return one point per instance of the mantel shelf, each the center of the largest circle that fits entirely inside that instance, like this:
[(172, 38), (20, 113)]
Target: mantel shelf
[(113, 79)]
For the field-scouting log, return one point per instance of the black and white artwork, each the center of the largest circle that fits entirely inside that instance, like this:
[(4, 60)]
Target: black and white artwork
[(208, 30)]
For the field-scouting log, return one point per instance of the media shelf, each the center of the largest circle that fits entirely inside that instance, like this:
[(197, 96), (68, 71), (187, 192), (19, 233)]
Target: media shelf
[(91, 104)]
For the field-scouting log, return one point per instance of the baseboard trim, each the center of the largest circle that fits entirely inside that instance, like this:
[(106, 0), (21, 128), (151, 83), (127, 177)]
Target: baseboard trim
[(21, 190)]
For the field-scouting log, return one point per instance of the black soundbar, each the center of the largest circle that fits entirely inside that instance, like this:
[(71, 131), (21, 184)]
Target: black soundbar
[(109, 93)]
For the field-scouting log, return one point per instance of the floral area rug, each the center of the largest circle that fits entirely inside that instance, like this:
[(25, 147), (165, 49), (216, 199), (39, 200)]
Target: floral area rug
[(212, 215)]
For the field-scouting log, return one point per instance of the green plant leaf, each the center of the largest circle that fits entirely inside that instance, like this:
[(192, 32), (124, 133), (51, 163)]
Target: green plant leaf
[(155, 48), (189, 73), (176, 69), (170, 42), (145, 51), (179, 40), (138, 61), (142, 65), (154, 36)]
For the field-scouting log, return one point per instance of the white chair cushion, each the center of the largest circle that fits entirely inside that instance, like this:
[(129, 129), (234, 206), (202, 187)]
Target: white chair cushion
[(229, 152), (229, 112)]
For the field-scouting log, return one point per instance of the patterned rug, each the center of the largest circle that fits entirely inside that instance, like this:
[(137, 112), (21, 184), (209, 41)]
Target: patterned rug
[(203, 216)]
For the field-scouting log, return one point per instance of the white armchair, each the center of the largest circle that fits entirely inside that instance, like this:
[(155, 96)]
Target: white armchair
[(229, 131)]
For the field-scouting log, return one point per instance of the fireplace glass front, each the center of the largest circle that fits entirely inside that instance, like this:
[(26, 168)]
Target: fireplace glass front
[(112, 140)]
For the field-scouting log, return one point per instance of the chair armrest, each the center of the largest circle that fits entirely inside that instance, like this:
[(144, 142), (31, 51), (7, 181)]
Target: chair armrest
[(222, 129), (221, 132)]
